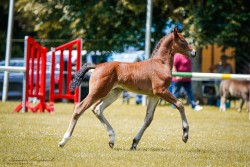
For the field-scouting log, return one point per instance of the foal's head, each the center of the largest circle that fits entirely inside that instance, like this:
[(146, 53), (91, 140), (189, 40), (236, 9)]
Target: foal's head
[(180, 45)]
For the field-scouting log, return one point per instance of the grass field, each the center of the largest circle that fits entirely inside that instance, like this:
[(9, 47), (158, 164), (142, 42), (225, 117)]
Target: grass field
[(216, 138)]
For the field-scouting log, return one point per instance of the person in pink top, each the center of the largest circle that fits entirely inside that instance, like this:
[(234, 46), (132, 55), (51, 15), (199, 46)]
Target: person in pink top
[(183, 64)]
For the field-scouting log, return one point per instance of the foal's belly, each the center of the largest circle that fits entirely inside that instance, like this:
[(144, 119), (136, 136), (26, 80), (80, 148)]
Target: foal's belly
[(140, 89), (237, 92)]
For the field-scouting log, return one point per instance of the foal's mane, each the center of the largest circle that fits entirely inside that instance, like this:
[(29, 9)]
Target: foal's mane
[(159, 44)]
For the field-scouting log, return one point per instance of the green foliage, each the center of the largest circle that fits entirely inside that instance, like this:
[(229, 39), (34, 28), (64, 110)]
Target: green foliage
[(103, 25), (222, 22), (110, 25), (3, 27)]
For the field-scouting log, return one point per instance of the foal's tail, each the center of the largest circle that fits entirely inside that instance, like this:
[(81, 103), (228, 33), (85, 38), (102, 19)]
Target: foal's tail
[(79, 75)]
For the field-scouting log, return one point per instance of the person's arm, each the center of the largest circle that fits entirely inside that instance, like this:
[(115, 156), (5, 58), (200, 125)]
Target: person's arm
[(213, 67)]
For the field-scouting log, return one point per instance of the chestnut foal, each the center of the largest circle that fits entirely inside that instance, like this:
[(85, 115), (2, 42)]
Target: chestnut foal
[(235, 88), (150, 77)]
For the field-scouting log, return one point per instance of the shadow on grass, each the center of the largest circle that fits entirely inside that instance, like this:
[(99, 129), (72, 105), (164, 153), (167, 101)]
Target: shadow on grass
[(159, 149), (154, 149)]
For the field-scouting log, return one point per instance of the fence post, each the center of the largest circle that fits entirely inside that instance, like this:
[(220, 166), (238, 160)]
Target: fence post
[(65, 71), (35, 76)]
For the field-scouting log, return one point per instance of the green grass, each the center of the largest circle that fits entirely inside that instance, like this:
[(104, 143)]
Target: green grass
[(216, 138)]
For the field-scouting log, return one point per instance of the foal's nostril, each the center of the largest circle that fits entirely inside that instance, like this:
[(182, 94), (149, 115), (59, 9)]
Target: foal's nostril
[(193, 53)]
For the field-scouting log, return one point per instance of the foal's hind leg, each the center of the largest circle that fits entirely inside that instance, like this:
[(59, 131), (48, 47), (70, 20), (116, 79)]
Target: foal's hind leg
[(152, 103), (98, 111), (242, 101), (79, 109)]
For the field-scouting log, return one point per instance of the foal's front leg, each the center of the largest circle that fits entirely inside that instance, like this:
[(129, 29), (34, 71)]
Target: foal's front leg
[(152, 103), (166, 95), (223, 103)]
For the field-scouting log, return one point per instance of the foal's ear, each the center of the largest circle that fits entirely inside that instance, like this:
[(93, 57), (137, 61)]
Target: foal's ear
[(175, 31)]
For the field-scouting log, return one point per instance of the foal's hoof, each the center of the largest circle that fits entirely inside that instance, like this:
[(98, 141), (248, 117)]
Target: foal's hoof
[(60, 145), (185, 138), (111, 145), (133, 148)]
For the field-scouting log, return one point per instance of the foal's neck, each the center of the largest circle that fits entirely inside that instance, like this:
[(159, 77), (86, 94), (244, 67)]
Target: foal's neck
[(164, 51)]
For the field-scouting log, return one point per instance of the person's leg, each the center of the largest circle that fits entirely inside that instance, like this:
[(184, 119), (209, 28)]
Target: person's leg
[(170, 88), (188, 88), (176, 87)]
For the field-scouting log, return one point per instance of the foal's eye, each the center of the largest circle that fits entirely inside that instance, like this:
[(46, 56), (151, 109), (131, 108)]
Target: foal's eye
[(182, 40)]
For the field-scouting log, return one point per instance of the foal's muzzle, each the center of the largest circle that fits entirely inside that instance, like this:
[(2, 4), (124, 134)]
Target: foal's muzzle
[(192, 53)]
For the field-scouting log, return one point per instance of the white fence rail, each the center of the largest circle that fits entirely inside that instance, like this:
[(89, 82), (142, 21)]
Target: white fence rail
[(12, 69)]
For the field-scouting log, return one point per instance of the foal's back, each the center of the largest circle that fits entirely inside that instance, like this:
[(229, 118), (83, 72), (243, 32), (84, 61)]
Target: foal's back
[(138, 77), (235, 88)]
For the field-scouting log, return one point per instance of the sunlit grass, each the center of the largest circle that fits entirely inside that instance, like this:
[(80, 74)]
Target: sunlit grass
[(216, 138)]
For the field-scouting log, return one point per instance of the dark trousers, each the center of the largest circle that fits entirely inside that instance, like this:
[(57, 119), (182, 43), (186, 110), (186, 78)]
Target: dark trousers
[(176, 87)]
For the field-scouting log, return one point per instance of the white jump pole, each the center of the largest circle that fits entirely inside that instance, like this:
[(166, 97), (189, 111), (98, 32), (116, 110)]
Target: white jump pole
[(213, 76), (148, 37), (8, 49)]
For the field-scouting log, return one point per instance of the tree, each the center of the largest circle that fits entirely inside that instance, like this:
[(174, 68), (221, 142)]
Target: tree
[(3, 27), (222, 22), (110, 25), (18, 32), (101, 24)]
